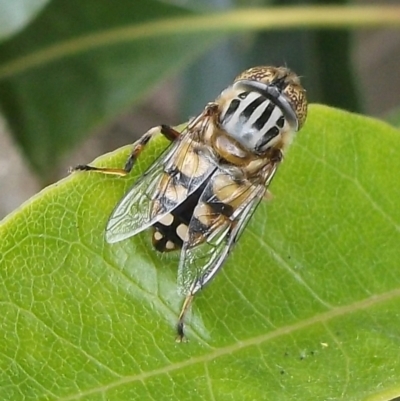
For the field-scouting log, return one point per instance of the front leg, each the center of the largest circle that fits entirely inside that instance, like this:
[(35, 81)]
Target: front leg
[(170, 133)]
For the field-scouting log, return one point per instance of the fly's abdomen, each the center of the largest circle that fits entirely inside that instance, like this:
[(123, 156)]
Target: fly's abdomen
[(171, 230)]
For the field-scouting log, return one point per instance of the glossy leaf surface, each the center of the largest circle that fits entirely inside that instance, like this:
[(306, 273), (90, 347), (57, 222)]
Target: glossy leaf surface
[(306, 308)]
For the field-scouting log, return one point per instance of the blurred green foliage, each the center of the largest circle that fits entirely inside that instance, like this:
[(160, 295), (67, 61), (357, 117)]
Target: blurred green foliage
[(79, 64)]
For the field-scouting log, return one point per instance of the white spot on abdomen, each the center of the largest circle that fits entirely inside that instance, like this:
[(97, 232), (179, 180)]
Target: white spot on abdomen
[(157, 235), (169, 245), (167, 220), (182, 232)]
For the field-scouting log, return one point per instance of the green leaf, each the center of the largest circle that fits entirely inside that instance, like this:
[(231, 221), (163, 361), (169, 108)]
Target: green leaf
[(16, 14), (306, 307)]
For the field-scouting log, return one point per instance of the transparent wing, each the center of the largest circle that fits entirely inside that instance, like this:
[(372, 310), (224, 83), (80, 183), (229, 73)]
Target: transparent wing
[(226, 210), (137, 211), (133, 213)]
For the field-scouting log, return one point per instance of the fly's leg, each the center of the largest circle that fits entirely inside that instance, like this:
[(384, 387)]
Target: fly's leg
[(169, 133), (140, 144), (181, 320), (138, 147)]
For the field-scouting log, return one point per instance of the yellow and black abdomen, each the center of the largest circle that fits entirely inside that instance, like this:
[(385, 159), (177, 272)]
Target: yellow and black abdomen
[(172, 229)]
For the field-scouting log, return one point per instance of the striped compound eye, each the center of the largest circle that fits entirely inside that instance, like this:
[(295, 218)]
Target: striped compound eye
[(253, 120), (286, 83), (261, 105)]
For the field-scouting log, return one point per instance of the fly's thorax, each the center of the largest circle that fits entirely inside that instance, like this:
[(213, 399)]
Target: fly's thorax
[(256, 122), (237, 161), (230, 150)]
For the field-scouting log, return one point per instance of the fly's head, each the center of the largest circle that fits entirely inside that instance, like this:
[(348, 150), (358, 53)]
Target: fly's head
[(262, 110), (279, 84)]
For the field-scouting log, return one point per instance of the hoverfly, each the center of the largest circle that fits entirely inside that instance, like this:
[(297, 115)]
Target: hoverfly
[(200, 193)]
